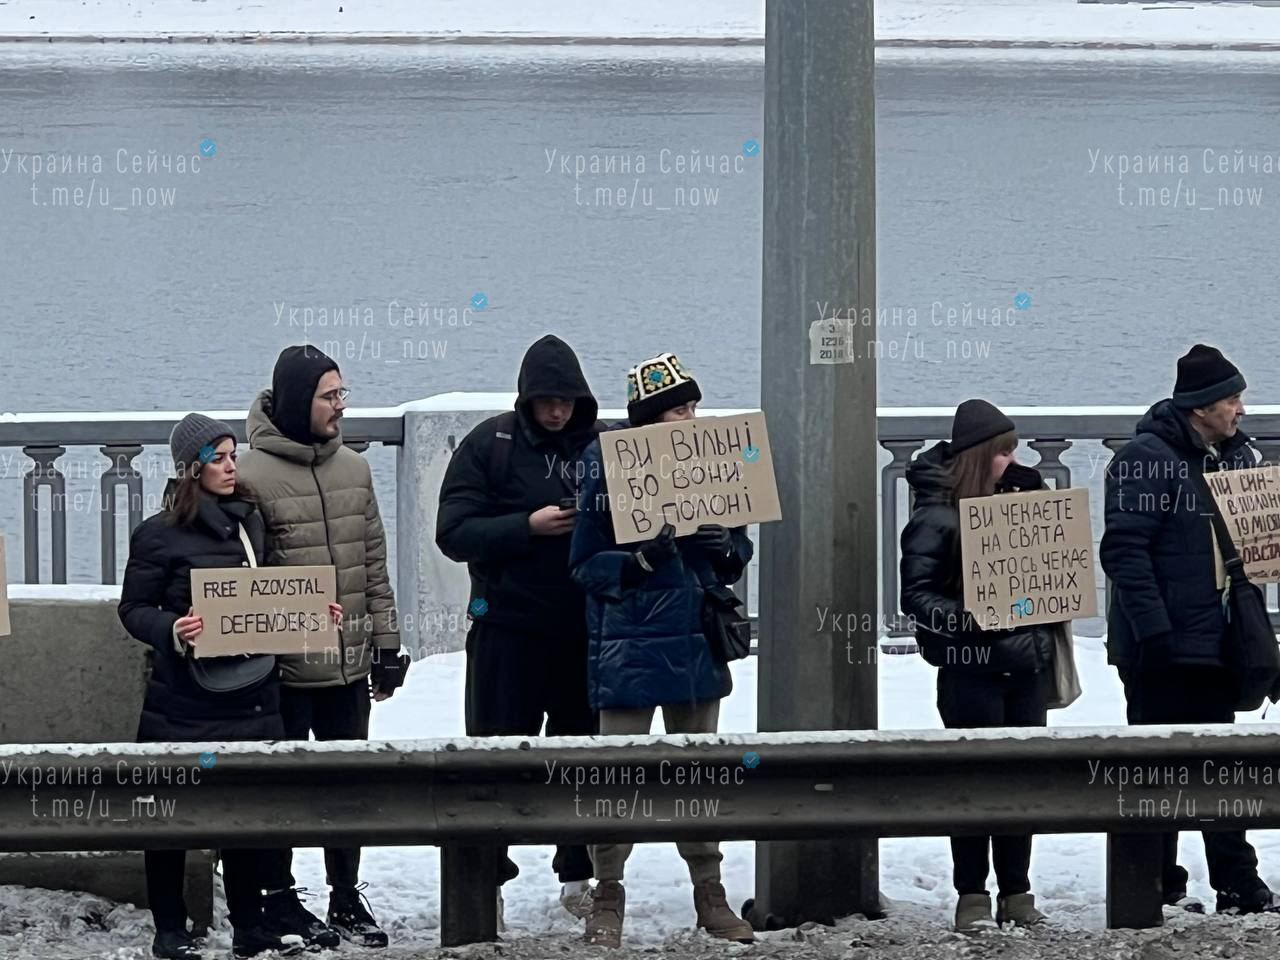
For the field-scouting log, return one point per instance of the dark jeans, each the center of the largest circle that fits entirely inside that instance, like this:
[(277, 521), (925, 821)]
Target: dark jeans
[(331, 713), (514, 679), (1173, 693), (971, 699), (242, 875)]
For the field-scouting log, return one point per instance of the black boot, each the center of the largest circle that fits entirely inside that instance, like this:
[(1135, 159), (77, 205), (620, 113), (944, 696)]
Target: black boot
[(283, 914), (175, 945), (352, 919), (1257, 899), (252, 941)]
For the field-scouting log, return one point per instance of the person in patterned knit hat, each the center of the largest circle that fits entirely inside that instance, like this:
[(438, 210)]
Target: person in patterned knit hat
[(647, 648)]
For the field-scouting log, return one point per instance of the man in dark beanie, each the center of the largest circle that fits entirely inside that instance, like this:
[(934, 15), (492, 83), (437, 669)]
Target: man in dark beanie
[(316, 497), (1165, 625), (507, 511)]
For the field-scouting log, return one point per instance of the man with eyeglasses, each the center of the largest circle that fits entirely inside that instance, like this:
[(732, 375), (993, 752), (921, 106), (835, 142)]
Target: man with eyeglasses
[(316, 497)]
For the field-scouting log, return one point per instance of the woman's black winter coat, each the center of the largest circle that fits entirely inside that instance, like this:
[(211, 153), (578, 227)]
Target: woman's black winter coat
[(933, 591), (157, 591)]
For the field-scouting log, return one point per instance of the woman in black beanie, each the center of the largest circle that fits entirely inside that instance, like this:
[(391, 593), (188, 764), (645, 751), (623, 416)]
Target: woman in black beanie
[(205, 522), (986, 678)]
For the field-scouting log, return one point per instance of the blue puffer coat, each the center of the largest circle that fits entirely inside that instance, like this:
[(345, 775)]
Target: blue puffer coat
[(646, 644)]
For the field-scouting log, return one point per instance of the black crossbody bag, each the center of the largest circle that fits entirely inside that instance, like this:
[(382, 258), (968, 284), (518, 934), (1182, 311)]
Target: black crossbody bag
[(1249, 647), (725, 624)]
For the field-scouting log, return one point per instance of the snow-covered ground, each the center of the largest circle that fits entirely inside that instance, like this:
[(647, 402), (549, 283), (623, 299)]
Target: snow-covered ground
[(1180, 23), (1068, 871)]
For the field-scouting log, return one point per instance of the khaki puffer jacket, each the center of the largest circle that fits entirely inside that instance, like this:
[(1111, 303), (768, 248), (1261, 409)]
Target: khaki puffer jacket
[(319, 507)]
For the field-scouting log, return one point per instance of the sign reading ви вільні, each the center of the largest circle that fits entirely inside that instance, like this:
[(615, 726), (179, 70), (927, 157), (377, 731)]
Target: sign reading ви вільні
[(1250, 504), (264, 609), (1027, 558), (687, 473)]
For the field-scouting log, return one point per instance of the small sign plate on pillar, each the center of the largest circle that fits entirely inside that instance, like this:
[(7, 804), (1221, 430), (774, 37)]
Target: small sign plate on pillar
[(831, 341)]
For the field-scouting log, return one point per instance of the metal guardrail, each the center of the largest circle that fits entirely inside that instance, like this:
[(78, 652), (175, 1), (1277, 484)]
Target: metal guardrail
[(468, 796)]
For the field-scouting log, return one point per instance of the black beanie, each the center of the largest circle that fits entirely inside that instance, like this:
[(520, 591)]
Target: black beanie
[(976, 422), (293, 387), (1205, 376)]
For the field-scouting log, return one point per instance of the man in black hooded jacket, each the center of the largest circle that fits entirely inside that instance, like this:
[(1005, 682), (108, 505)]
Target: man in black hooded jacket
[(501, 514), (1165, 626)]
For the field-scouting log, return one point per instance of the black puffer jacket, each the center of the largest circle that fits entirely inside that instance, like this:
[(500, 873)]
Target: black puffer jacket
[(157, 591), (1158, 549), (933, 592), (522, 579)]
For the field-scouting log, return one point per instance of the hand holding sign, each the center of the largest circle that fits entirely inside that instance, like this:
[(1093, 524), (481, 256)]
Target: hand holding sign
[(188, 628)]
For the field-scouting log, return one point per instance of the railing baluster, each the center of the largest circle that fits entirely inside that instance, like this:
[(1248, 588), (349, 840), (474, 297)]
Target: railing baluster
[(43, 473), (1051, 466), (121, 473), (902, 450)]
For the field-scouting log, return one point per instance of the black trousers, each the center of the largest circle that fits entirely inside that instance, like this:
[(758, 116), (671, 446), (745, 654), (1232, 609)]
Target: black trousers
[(1173, 693), (967, 700), (242, 874), (515, 679), (331, 713)]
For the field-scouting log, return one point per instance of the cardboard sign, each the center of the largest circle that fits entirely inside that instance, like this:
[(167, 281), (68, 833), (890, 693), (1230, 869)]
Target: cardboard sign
[(264, 610), (4, 592), (1028, 558), (1250, 504), (689, 472)]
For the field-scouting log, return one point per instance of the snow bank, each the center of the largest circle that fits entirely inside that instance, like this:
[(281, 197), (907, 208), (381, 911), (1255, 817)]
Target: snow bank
[(997, 23)]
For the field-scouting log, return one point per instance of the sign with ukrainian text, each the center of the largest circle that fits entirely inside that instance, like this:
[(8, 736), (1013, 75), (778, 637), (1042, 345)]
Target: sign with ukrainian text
[(1028, 558), (1250, 504), (687, 473)]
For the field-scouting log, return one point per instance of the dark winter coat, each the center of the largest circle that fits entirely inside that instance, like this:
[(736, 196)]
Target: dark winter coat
[(157, 591), (1157, 548), (933, 589), (522, 579), (645, 643)]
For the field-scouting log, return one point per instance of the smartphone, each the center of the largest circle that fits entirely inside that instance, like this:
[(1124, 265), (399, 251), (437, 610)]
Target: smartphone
[(568, 503)]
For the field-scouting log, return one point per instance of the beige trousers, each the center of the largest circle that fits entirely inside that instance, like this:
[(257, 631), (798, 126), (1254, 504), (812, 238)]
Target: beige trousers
[(702, 856)]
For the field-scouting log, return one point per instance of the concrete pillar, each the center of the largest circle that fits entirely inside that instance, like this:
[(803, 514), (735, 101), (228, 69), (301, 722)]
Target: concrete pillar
[(819, 247)]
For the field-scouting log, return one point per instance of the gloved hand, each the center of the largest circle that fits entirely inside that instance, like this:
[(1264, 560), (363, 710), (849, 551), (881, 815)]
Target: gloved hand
[(1017, 477), (387, 673), (659, 550), (649, 556), (714, 538)]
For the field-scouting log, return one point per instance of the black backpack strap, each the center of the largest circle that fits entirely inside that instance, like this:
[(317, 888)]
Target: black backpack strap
[(500, 449)]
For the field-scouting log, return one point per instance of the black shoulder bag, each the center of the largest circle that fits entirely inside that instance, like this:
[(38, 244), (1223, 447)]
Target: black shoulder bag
[(1249, 648), (725, 624)]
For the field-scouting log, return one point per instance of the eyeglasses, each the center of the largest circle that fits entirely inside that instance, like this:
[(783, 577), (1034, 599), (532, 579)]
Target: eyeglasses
[(333, 397)]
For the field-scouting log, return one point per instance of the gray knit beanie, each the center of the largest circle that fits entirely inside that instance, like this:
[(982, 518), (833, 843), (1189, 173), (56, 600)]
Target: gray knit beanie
[(193, 434)]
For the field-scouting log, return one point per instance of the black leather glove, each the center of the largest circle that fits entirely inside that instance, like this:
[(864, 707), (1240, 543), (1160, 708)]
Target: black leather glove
[(714, 538), (1019, 477), (387, 672), (658, 551), (649, 556)]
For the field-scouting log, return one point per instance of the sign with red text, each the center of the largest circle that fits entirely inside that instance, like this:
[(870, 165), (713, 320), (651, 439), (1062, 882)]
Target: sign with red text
[(1028, 558), (687, 473), (264, 610)]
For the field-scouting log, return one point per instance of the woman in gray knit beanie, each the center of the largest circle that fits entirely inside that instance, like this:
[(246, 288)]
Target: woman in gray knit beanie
[(206, 522)]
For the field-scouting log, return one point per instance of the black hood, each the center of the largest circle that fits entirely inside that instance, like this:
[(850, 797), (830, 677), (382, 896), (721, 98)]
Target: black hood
[(1172, 426), (929, 475), (550, 369), (293, 388)]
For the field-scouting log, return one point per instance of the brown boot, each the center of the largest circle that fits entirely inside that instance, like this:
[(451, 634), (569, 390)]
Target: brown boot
[(714, 915), (604, 922)]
